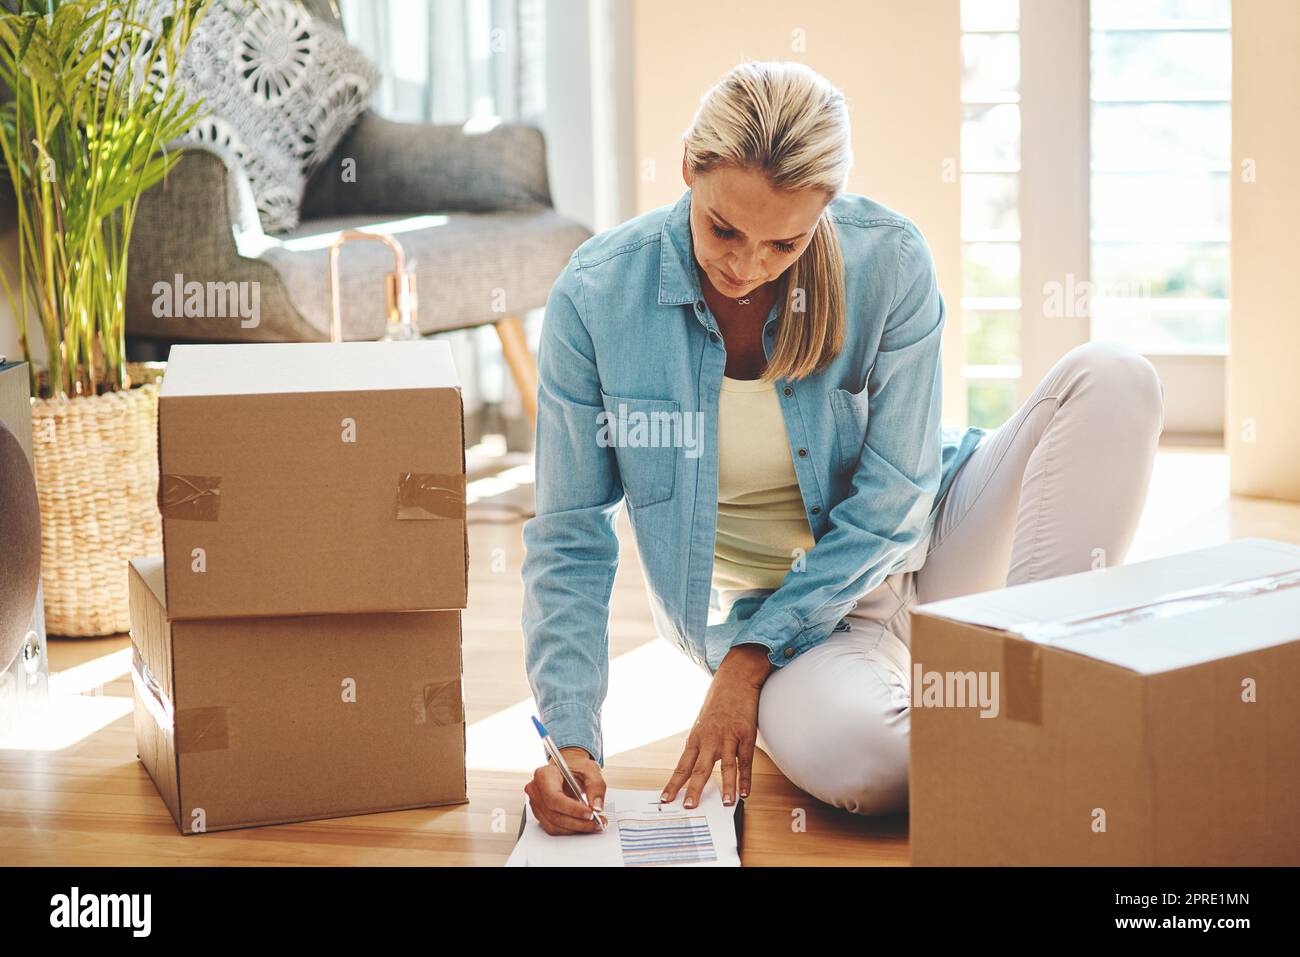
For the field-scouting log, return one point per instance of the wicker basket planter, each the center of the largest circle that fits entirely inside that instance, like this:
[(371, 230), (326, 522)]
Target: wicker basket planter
[(95, 453), (97, 481)]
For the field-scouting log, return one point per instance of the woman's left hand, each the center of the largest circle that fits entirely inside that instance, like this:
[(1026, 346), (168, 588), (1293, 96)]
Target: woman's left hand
[(725, 730)]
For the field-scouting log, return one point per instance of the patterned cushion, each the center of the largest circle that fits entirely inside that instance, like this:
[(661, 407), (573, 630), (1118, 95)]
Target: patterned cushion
[(279, 90)]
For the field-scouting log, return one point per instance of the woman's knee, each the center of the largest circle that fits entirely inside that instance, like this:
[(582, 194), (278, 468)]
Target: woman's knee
[(841, 734), (1124, 381)]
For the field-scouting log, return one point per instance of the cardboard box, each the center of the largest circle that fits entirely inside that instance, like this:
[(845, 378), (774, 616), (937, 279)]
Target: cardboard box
[(1140, 715), (268, 720), (312, 478)]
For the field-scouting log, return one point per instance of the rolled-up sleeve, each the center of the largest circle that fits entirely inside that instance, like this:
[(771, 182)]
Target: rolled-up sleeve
[(570, 545), (895, 481)]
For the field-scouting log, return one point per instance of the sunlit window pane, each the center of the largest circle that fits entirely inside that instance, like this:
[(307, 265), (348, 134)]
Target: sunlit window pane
[(990, 66), (991, 270), (1161, 158), (1157, 66), (1112, 14), (1163, 326), (989, 206), (992, 338), (990, 402), (990, 137), (1160, 206), (1198, 271), (1161, 136), (990, 14), (990, 196)]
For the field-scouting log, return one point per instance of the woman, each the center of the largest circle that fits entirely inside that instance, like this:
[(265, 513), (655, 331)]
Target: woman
[(756, 369)]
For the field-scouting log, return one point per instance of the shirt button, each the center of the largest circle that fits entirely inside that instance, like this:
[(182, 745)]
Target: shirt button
[(770, 332), (788, 390), (789, 652), (803, 453), (816, 509), (700, 305), (714, 336)]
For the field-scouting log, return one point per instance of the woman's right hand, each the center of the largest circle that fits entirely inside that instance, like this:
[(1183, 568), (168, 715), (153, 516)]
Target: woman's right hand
[(557, 809)]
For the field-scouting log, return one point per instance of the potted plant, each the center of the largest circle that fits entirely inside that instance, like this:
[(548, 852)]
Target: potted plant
[(89, 111)]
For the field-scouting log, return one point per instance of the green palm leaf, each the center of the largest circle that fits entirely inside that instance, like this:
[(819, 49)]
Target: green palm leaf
[(81, 140)]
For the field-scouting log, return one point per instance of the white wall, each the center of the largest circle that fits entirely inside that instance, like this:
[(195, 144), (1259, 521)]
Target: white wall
[(567, 123), (589, 119)]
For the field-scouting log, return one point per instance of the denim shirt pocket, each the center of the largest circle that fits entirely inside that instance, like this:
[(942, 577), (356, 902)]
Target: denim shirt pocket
[(645, 434), (851, 412)]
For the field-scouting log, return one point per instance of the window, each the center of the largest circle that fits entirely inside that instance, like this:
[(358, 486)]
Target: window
[(1096, 165), (990, 220), (1161, 160)]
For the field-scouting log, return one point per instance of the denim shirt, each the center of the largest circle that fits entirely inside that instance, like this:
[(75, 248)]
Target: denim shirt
[(630, 367)]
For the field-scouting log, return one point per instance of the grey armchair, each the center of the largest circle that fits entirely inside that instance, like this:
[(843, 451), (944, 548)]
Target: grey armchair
[(472, 210)]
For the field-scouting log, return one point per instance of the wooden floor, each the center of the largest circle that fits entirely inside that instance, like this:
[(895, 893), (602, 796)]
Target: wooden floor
[(75, 794)]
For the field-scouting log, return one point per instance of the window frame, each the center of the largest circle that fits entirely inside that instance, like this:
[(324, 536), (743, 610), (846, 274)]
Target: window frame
[(1055, 215)]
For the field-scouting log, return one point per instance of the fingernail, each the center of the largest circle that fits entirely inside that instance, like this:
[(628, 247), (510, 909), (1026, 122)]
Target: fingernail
[(744, 794), (726, 799), (690, 802), (599, 804), (663, 798)]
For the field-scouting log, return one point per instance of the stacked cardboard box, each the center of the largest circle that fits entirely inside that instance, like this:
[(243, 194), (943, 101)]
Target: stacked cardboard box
[(298, 646), (1139, 715)]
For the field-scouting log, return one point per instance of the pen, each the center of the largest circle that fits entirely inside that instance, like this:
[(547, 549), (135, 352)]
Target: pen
[(554, 753)]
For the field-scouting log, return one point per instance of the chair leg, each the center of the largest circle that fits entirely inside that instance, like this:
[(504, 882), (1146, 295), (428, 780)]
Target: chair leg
[(522, 363)]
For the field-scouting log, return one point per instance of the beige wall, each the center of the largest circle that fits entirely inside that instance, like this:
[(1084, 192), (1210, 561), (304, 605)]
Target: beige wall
[(1263, 427), (899, 65)]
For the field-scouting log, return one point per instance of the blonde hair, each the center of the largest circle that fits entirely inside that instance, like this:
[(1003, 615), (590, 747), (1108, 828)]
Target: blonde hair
[(789, 123)]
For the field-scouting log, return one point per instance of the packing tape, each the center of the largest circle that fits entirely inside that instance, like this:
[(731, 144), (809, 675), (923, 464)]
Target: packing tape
[(427, 495), (1022, 659), (196, 729), (421, 496), (151, 693), (193, 497), (1022, 680), (439, 704), (202, 729), (1179, 603)]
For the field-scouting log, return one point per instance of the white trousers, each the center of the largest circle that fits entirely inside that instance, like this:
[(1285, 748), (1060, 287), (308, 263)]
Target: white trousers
[(1057, 489)]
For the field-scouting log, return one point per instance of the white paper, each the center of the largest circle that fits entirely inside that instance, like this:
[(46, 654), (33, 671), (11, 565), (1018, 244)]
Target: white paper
[(641, 833), (517, 856)]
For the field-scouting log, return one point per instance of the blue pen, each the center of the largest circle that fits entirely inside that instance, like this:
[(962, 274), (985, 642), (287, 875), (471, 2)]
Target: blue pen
[(554, 753)]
